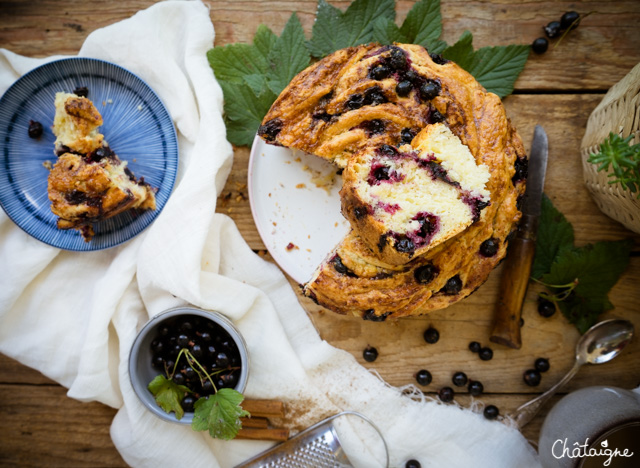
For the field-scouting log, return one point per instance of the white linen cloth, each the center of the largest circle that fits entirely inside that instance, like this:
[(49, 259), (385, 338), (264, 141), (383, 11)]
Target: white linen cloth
[(73, 316)]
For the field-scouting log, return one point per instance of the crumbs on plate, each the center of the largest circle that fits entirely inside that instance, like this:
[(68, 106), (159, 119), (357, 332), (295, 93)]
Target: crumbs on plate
[(291, 246)]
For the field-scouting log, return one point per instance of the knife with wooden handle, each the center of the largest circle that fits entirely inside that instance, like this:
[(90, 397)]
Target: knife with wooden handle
[(517, 268)]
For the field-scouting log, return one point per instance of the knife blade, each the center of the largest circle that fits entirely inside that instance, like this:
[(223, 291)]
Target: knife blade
[(517, 268)]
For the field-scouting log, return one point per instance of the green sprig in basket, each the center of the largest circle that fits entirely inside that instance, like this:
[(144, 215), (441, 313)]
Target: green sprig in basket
[(618, 112)]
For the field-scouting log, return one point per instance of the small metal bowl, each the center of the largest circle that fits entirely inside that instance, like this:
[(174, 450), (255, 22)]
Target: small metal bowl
[(141, 371)]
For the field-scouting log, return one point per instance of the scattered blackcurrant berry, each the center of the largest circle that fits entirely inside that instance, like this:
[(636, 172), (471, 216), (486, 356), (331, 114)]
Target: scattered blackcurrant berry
[(370, 354), (423, 377), (35, 129), (546, 308), (570, 20), (540, 45), (475, 388), (431, 335), (532, 377), (81, 91), (553, 29), (542, 364), (412, 464), (446, 394), (491, 412), (459, 379), (486, 353), (474, 347)]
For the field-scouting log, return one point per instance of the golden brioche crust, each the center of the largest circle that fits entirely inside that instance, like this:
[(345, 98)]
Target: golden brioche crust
[(75, 124), (354, 279)]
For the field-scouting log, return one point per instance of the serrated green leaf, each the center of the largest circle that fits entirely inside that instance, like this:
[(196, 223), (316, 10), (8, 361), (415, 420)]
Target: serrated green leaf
[(234, 61), (597, 267), (288, 56), (244, 111), (386, 32), (264, 40), (219, 414), (555, 234), (495, 68), (327, 35), (360, 16), (335, 30), (168, 394), (423, 24)]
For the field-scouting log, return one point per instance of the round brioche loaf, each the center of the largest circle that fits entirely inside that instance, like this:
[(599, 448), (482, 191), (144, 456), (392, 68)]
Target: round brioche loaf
[(353, 102)]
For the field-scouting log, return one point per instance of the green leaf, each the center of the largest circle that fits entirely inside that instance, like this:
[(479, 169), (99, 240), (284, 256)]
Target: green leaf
[(244, 110), (219, 414), (495, 68), (326, 35), (168, 394), (584, 313), (264, 40), (555, 234), (288, 56), (335, 30), (234, 61), (386, 32), (597, 268), (423, 24)]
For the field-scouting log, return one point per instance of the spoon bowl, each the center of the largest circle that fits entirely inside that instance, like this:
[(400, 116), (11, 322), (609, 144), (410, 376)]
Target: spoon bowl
[(604, 341)]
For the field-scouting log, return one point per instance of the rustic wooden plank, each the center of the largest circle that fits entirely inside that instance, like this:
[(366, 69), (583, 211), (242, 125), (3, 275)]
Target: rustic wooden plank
[(41, 426), (563, 116), (12, 372), (605, 41)]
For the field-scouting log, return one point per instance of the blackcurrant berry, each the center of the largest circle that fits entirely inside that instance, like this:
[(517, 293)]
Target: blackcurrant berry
[(423, 377), (183, 341), (474, 347), (546, 308), (429, 90), (222, 360), (426, 273), (489, 247), (542, 364), (370, 354), (452, 286), (407, 135), (178, 378), (81, 91), (486, 353), (540, 45), (475, 388), (35, 129), (446, 394), (187, 403), (459, 379), (491, 412), (405, 246), (412, 464), (380, 72), (552, 29), (532, 377), (570, 20), (431, 335), (403, 88)]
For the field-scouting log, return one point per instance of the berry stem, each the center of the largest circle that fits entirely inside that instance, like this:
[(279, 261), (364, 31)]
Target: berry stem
[(580, 18), (192, 360)]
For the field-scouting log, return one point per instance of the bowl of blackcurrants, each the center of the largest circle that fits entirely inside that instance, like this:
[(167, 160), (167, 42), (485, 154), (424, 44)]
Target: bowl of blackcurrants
[(185, 354)]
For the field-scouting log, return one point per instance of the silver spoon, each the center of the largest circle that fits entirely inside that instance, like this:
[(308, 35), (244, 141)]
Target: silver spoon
[(600, 344)]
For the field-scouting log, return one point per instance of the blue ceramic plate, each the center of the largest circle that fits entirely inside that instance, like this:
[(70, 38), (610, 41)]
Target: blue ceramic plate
[(136, 125)]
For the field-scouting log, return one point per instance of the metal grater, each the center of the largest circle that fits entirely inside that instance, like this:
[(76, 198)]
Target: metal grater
[(316, 447)]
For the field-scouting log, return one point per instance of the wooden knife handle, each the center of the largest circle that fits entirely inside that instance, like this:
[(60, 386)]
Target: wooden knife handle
[(513, 285)]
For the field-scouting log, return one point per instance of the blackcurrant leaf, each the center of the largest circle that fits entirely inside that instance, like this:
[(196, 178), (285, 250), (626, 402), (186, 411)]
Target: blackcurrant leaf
[(555, 234), (168, 394), (220, 414)]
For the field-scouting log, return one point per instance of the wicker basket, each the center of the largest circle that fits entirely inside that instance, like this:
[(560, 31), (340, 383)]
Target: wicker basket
[(619, 112)]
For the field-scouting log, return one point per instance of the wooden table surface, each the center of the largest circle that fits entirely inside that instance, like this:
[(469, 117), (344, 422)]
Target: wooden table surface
[(42, 427)]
